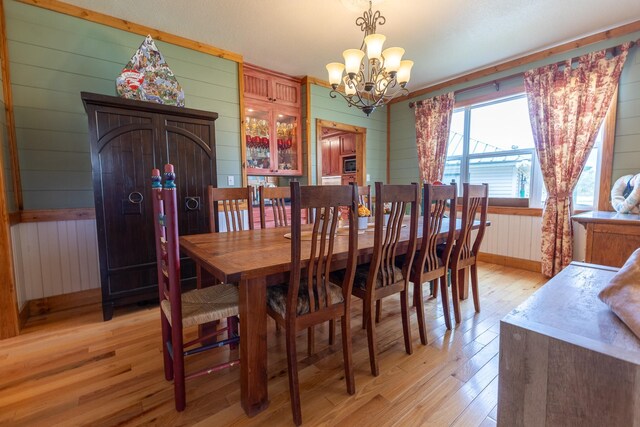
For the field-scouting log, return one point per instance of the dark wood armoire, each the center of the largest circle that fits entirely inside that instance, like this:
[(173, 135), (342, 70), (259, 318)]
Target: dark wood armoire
[(128, 139)]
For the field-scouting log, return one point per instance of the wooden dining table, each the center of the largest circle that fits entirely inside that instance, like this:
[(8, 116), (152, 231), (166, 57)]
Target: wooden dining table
[(256, 259)]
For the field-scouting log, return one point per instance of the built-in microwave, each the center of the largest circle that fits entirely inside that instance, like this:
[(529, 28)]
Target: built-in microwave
[(349, 165)]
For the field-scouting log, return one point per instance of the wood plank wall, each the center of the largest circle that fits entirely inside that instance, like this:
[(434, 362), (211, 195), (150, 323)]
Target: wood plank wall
[(6, 154), (626, 152), (403, 161), (53, 57), (336, 110)]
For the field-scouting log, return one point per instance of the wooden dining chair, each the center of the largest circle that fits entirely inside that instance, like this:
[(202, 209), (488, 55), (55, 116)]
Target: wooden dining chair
[(432, 259), (180, 310), (231, 202), (474, 198), (311, 298), (277, 196), (381, 277)]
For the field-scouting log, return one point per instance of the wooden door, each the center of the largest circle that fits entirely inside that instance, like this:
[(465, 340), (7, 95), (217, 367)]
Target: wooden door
[(286, 92), (189, 144), (326, 157), (257, 85), (348, 144), (336, 160), (123, 156)]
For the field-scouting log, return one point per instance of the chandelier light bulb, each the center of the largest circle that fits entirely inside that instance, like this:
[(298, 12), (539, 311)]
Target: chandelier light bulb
[(374, 44), (335, 70), (404, 73), (392, 57), (352, 61)]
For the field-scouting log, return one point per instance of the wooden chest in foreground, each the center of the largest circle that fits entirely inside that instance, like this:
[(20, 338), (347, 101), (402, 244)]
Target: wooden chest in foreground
[(566, 359)]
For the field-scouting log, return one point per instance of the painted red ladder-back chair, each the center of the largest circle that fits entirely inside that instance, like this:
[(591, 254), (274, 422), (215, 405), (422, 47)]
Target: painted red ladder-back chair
[(181, 310)]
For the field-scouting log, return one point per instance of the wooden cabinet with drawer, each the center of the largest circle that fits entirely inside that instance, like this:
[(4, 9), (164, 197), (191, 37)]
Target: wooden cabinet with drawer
[(611, 236), (128, 139), (348, 179)]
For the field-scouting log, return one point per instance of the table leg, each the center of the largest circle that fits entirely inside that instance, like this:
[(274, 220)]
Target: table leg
[(254, 397), (463, 283), (204, 279)]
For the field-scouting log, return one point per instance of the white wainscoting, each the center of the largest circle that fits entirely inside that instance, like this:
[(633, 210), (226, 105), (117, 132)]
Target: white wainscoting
[(520, 237), (54, 258), (515, 236), (60, 257)]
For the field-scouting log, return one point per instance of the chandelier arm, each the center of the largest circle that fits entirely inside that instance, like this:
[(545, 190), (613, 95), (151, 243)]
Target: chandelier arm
[(334, 93)]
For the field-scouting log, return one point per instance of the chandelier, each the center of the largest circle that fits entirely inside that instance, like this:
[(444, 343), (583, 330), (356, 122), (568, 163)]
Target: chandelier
[(378, 79)]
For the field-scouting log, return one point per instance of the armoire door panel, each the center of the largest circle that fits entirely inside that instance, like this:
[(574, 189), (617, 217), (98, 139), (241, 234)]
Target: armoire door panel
[(189, 151), (124, 163)]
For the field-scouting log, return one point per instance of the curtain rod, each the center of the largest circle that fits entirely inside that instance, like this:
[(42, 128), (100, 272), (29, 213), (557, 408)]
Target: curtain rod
[(496, 82)]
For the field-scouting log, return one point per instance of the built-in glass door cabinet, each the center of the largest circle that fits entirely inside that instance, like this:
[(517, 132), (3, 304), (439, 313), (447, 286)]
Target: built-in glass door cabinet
[(272, 123)]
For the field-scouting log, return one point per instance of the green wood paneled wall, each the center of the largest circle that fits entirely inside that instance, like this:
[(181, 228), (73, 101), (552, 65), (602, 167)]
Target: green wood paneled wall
[(325, 108), (404, 162), (626, 155), (53, 57), (6, 158)]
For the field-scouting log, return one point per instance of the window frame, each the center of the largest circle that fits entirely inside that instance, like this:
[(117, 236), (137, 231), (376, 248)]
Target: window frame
[(482, 101), (507, 204)]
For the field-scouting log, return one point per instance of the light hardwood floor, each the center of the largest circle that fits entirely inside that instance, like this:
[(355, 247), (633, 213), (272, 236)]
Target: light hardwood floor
[(70, 368)]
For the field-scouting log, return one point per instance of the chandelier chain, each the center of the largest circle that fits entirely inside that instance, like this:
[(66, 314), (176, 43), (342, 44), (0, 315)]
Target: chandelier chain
[(369, 20)]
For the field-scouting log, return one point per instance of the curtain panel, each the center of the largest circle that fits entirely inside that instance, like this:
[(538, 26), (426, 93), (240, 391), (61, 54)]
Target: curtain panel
[(567, 105), (433, 120)]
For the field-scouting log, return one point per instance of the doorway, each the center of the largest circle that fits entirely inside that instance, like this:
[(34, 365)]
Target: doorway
[(340, 153)]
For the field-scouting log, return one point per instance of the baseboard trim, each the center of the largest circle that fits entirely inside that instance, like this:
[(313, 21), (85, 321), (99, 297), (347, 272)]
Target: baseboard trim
[(64, 302), (524, 264), (46, 215), (23, 315)]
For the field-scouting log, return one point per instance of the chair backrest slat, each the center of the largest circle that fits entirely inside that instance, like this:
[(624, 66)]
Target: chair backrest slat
[(165, 216), (232, 201), (474, 198), (439, 200), (326, 202), (386, 239)]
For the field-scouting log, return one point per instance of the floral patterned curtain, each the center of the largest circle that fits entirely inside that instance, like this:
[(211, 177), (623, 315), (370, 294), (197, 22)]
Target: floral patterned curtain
[(433, 119), (567, 106)]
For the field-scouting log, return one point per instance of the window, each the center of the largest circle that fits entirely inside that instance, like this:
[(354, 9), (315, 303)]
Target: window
[(492, 143)]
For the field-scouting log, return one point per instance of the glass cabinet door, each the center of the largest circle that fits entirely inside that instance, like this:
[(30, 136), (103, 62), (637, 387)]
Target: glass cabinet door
[(258, 140), (288, 145)]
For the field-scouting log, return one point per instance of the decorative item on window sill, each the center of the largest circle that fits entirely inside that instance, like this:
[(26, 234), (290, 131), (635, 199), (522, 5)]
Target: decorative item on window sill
[(377, 80)]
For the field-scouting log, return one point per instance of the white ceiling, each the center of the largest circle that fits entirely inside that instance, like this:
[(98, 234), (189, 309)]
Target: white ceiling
[(445, 38)]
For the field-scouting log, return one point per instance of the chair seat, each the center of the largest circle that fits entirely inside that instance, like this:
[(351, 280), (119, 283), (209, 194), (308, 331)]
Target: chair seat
[(277, 298), (362, 273), (206, 305)]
